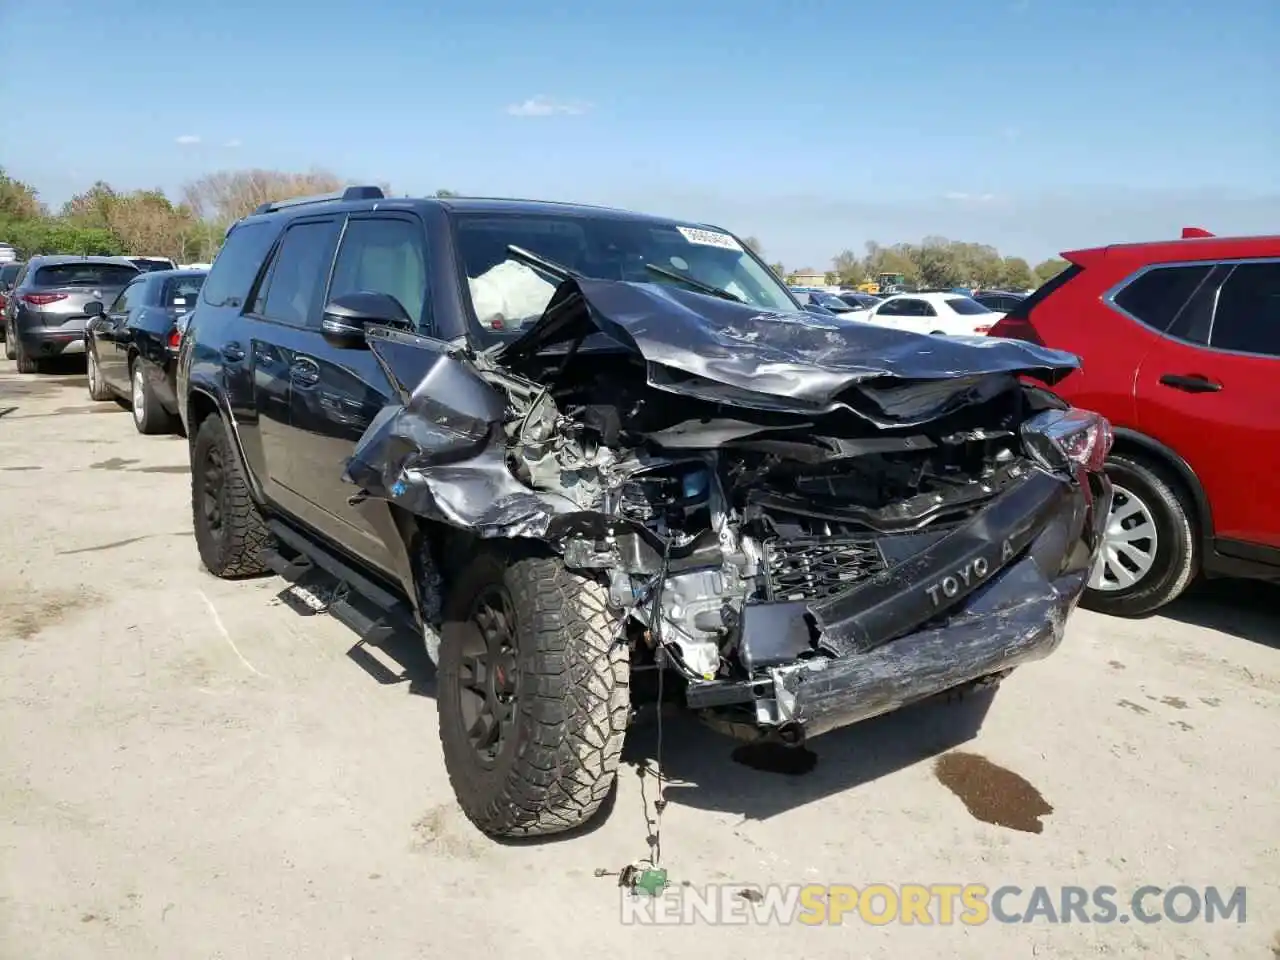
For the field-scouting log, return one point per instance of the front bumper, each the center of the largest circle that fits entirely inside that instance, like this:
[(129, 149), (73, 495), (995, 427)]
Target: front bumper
[(927, 624)]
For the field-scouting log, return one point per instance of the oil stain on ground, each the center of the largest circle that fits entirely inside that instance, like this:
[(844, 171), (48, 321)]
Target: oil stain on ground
[(115, 463), (181, 468), (991, 793)]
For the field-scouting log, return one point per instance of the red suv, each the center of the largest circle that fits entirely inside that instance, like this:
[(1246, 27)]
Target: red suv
[(1180, 343)]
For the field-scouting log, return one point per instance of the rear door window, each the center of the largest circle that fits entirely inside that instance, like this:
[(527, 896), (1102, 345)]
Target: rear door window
[(1248, 316), (181, 292), (1156, 296), (236, 265), (129, 294), (298, 273)]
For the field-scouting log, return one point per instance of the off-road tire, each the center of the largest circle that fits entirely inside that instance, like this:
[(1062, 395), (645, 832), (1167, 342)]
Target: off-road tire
[(98, 389), (1177, 550), (560, 761), (26, 364), (238, 551), (149, 417)]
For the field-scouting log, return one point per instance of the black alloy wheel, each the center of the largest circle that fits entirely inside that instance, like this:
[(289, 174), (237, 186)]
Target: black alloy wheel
[(489, 680)]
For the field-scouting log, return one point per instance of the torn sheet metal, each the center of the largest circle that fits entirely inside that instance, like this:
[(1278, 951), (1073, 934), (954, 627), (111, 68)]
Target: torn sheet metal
[(439, 453), (740, 354)]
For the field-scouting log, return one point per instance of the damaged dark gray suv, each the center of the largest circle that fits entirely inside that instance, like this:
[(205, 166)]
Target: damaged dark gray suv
[(567, 442)]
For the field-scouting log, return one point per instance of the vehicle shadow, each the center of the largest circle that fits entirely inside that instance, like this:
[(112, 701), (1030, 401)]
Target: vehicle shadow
[(708, 771), (701, 767), (1249, 609), (400, 659)]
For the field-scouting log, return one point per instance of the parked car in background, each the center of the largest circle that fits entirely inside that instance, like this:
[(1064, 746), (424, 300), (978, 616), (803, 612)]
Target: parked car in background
[(8, 274), (692, 497), (948, 314), (828, 302), (1181, 347), (859, 301), (131, 344), (1001, 301), (45, 315), (8, 253), (147, 264)]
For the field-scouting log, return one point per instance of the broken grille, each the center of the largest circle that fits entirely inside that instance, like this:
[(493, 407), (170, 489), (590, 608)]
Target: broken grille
[(814, 568)]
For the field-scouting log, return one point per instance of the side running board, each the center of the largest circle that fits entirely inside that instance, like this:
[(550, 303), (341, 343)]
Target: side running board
[(374, 627)]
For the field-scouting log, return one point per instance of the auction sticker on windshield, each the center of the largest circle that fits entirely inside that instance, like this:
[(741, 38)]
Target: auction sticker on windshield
[(709, 238)]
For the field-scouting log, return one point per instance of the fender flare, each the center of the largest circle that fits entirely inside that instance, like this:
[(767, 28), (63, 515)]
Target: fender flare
[(1181, 469), (229, 422)]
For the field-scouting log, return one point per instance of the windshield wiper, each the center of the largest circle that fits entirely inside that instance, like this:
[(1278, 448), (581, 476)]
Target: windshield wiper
[(696, 284), (557, 270)]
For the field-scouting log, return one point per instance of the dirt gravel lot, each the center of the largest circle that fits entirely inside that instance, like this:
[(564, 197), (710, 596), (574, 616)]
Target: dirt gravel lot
[(193, 768)]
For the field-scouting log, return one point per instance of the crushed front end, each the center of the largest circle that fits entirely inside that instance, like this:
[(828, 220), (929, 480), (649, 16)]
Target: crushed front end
[(797, 596), (808, 538)]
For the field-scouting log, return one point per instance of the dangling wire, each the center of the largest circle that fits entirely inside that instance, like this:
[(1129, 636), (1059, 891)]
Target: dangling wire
[(655, 624)]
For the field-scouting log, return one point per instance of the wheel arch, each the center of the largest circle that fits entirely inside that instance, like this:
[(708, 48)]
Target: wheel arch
[(201, 404), (1133, 443)]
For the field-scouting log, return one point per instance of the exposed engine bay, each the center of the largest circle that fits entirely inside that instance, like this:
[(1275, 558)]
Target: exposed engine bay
[(704, 515), (767, 497)]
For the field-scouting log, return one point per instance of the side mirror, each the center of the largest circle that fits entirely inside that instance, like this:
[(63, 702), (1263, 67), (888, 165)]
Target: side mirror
[(345, 317), (93, 308)]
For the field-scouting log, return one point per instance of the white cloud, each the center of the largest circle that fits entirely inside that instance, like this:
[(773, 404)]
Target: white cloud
[(233, 143), (959, 195), (543, 106), (187, 139)]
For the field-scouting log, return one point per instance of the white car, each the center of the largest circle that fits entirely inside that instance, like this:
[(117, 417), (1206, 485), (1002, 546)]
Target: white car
[(949, 314)]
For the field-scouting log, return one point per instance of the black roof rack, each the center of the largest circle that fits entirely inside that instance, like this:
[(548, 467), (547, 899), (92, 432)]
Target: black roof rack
[(349, 193)]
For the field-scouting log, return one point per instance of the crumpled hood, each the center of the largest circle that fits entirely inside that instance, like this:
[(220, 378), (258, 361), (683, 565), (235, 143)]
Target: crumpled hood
[(799, 357)]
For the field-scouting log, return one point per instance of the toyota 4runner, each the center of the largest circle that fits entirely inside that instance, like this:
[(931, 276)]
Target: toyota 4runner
[(568, 442)]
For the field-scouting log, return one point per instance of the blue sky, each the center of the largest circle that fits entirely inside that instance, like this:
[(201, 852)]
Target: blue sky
[(1036, 126)]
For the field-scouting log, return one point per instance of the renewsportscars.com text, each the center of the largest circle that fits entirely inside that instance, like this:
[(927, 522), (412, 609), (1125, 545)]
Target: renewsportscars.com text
[(971, 904)]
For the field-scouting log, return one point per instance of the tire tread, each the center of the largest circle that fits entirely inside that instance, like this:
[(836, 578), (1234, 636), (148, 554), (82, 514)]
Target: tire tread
[(575, 705), (247, 532)]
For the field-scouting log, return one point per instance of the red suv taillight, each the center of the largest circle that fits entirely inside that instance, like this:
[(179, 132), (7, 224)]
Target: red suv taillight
[(175, 338), (42, 299)]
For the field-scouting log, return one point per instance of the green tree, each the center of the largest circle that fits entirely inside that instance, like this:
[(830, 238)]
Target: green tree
[(93, 207), (1048, 269), (849, 269), (18, 200), (1015, 274), (940, 263), (778, 269), (447, 193)]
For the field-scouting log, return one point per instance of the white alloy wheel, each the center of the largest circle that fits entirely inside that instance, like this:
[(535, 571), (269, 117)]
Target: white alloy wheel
[(139, 396), (1129, 544)]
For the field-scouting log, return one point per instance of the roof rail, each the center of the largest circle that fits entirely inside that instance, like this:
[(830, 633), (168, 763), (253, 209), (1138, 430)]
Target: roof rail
[(349, 193), (1195, 233)]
